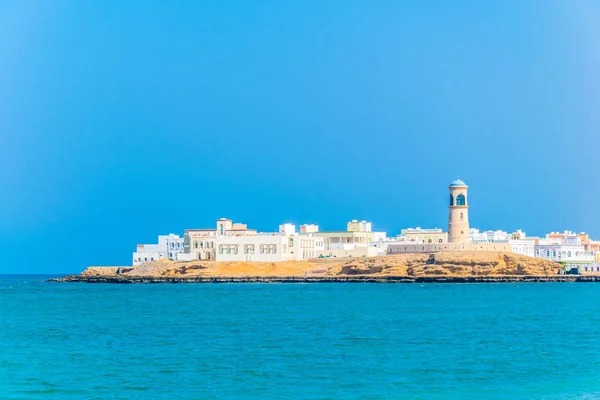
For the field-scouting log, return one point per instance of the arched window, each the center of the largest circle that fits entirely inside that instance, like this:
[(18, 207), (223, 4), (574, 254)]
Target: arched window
[(460, 200), (441, 241), (451, 200), (429, 241)]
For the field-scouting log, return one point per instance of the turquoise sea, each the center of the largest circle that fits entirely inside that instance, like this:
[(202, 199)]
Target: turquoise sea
[(307, 341)]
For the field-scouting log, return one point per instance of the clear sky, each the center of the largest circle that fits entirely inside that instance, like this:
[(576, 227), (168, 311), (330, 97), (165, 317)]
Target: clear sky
[(120, 121)]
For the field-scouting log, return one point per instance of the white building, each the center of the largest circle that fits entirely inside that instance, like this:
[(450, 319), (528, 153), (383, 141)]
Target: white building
[(285, 245), (175, 246), (568, 251), (168, 246), (477, 236), (200, 244), (380, 246), (525, 247), (251, 248), (355, 241), (518, 240)]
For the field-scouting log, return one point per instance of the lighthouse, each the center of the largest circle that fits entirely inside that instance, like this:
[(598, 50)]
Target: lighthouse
[(458, 213)]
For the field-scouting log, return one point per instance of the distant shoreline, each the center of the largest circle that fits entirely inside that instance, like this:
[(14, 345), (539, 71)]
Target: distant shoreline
[(338, 279)]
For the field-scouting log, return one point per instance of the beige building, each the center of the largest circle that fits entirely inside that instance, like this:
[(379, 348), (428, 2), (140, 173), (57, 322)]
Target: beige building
[(358, 226), (200, 244), (418, 235), (285, 245), (309, 228), (458, 215)]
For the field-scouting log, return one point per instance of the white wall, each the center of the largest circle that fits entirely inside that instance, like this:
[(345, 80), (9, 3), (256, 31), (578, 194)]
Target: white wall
[(268, 248), (564, 253), (147, 256)]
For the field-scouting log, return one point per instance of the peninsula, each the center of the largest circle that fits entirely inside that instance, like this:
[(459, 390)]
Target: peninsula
[(230, 252), (422, 267)]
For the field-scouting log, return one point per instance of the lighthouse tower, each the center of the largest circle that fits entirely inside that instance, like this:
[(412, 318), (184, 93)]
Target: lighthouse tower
[(458, 216)]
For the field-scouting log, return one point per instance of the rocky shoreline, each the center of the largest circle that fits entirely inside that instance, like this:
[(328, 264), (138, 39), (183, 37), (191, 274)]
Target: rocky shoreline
[(443, 267), (322, 279)]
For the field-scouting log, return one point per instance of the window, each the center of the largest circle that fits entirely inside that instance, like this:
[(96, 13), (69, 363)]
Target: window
[(440, 241), (460, 200), (248, 249), (221, 249), (429, 241), (554, 253), (451, 200), (196, 245), (569, 254), (268, 249), (291, 242), (462, 216)]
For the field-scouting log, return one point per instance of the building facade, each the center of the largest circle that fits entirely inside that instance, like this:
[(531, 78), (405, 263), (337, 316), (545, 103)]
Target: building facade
[(354, 242), (168, 247), (200, 244), (285, 245), (418, 235)]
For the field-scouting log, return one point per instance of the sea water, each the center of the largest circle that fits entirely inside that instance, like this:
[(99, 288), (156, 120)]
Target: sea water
[(310, 341)]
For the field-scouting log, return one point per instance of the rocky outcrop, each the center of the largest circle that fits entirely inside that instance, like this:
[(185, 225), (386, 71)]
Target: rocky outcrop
[(100, 271), (401, 267)]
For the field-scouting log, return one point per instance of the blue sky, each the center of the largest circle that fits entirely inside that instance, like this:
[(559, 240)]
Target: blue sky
[(122, 121)]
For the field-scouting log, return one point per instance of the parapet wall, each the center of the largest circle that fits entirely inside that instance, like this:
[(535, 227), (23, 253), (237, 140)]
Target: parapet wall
[(435, 248)]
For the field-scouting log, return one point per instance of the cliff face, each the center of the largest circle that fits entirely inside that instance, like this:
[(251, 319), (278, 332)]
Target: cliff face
[(460, 264), (451, 264), (99, 271)]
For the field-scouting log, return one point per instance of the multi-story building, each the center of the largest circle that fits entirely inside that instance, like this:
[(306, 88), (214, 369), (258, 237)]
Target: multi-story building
[(518, 240), (567, 250), (200, 244), (168, 247), (419, 235), (354, 242), (285, 245)]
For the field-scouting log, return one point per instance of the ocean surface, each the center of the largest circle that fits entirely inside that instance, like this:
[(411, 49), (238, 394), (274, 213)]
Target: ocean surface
[(306, 341)]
